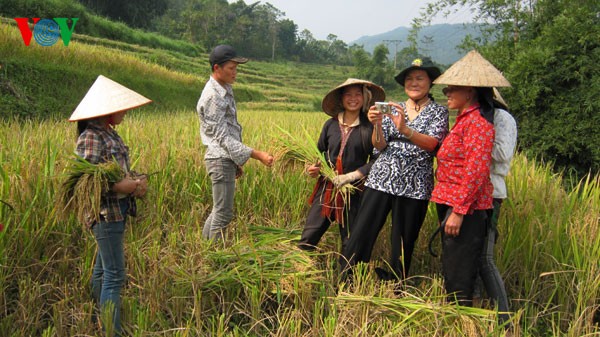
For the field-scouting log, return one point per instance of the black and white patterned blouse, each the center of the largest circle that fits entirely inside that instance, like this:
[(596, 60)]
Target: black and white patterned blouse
[(403, 168)]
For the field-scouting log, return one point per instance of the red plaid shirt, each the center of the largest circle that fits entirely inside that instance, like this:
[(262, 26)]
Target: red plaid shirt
[(464, 159), (98, 144)]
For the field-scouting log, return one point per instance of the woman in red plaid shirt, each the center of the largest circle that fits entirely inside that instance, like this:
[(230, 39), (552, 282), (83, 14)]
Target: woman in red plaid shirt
[(463, 193), (103, 107)]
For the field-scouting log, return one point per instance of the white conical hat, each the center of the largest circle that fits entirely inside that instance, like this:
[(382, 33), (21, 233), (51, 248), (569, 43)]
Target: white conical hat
[(107, 97), (473, 71)]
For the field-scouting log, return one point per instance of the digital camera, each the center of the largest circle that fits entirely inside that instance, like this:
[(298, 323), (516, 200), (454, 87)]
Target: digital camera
[(383, 107)]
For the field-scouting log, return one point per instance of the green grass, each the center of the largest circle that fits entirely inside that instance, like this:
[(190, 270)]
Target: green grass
[(260, 284)]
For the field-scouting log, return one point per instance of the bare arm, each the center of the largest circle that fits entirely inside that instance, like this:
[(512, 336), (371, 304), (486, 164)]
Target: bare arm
[(375, 117)]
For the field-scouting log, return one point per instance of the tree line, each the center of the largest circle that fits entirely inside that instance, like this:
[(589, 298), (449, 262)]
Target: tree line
[(259, 29)]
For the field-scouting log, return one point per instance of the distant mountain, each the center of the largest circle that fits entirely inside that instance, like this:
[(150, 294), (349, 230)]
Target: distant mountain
[(441, 47)]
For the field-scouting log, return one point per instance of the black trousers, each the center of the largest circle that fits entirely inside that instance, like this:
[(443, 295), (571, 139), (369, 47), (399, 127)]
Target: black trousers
[(460, 254), (316, 225), (407, 218)]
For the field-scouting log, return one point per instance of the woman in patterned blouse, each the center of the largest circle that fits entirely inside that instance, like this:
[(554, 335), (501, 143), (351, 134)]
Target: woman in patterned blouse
[(103, 107), (401, 179), (463, 193)]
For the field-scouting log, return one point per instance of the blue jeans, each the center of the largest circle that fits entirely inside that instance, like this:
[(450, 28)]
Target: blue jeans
[(222, 175), (108, 275), (492, 280)]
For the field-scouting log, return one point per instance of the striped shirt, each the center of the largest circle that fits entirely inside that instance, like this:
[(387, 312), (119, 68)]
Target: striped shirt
[(219, 128), (98, 144)]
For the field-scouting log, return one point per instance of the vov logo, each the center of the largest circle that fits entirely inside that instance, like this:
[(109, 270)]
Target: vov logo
[(46, 31)]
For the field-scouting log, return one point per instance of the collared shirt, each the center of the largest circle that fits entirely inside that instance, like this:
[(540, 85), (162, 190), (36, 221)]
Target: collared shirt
[(403, 168), (98, 144), (464, 160), (341, 121), (219, 127), (503, 151)]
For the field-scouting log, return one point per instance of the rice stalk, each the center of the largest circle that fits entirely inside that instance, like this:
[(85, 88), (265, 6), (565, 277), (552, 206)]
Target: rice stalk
[(83, 186), (305, 150)]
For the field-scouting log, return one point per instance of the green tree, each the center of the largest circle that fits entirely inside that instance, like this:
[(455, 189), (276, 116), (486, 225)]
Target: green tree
[(376, 68), (287, 33), (556, 81), (549, 51), (380, 66), (135, 13), (361, 60), (338, 51)]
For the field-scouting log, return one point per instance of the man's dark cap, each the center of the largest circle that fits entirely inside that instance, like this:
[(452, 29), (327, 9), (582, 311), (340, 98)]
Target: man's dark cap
[(223, 53)]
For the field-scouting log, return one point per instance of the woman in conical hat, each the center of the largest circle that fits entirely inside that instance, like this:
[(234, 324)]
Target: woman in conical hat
[(505, 141), (464, 190), (103, 107), (401, 179), (346, 142)]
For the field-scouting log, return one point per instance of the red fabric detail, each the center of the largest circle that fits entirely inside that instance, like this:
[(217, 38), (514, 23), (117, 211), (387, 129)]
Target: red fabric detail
[(319, 182), (332, 200), (464, 161)]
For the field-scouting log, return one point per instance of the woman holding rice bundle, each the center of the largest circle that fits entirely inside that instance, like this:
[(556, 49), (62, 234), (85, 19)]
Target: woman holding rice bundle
[(464, 190), (103, 107), (346, 141), (401, 179)]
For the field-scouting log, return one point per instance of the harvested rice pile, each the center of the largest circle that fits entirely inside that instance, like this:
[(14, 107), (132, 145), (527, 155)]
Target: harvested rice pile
[(83, 186)]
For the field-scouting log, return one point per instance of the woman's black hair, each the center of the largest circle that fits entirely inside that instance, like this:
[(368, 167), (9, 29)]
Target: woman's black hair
[(81, 126), (485, 96), (500, 105)]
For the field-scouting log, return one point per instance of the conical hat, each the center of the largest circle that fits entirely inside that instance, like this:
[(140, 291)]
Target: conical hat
[(107, 97), (332, 102), (473, 71), (498, 98)]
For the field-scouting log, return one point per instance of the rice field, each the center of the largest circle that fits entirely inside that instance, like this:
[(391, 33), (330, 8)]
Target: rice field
[(259, 283)]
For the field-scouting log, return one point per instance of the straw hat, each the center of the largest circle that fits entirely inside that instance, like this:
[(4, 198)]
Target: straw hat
[(498, 98), (332, 103), (417, 64), (473, 71), (107, 97)]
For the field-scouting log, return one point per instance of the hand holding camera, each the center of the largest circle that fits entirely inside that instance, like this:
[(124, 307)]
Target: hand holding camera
[(384, 108)]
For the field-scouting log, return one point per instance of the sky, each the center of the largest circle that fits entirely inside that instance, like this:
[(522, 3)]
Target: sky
[(351, 19)]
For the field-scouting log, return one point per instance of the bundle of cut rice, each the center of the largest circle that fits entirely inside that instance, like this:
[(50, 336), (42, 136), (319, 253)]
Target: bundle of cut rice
[(83, 186), (304, 149)]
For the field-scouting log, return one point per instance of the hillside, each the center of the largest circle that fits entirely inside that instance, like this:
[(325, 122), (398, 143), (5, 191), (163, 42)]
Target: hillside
[(49, 81), (442, 49)]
